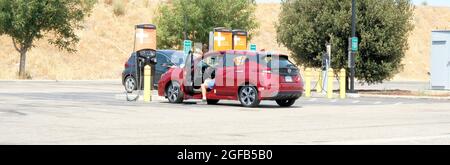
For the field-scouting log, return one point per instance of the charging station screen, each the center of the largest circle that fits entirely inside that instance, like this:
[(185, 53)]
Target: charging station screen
[(223, 41), (240, 42), (145, 38)]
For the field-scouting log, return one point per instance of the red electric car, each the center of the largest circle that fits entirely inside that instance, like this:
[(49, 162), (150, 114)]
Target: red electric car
[(247, 76)]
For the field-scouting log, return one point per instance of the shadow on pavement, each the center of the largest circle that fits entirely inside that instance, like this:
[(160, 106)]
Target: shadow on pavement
[(235, 105)]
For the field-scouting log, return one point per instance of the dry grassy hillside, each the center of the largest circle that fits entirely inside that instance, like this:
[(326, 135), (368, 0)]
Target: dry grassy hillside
[(107, 41), (105, 44), (417, 59)]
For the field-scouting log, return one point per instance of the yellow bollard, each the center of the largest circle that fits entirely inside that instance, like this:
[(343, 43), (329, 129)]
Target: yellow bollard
[(308, 82), (342, 77), (319, 83), (147, 84), (330, 84)]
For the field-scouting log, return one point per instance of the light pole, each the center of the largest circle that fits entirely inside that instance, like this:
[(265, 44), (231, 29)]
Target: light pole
[(352, 56), (185, 26), (185, 21)]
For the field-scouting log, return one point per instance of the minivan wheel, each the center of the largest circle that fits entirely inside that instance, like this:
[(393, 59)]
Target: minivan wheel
[(285, 103), (174, 93), (130, 84), (248, 96)]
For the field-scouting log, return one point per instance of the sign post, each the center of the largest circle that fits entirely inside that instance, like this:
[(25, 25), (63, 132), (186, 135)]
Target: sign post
[(253, 47), (354, 44), (187, 47), (354, 48)]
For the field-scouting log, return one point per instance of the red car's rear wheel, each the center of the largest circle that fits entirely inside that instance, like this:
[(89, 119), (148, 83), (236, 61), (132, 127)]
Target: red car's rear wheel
[(286, 103), (248, 96)]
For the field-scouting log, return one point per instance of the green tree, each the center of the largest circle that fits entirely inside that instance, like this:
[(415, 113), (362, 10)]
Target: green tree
[(383, 27), (424, 3), (26, 21), (201, 16)]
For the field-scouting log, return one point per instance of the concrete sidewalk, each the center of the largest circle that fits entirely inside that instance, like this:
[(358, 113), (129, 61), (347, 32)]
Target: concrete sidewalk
[(420, 87), (390, 85)]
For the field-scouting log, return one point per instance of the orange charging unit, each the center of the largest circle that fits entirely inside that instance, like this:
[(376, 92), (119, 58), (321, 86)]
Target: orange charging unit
[(239, 40), (223, 39)]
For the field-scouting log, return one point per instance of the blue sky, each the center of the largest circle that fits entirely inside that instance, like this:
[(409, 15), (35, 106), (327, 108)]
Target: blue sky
[(418, 2)]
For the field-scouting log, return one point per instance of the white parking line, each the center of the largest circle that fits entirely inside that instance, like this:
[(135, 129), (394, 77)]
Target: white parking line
[(399, 103), (378, 102), (141, 97), (356, 101), (333, 101)]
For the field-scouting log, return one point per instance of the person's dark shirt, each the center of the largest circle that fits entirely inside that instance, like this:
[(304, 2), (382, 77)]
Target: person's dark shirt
[(210, 72)]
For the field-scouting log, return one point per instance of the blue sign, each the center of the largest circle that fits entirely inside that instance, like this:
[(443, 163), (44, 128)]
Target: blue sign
[(354, 44), (187, 47), (253, 47)]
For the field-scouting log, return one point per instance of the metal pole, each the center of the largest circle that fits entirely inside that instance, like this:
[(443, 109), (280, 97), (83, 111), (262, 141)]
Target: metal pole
[(185, 20), (185, 26), (352, 68)]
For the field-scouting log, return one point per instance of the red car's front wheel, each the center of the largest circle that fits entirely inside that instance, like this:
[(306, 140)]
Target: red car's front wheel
[(174, 93)]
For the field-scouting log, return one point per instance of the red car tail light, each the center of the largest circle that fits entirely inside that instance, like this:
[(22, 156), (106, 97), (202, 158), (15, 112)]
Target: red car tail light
[(127, 65), (299, 79)]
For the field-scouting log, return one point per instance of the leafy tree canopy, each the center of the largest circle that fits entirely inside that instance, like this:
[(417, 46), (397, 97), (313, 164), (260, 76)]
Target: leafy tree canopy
[(201, 17), (26, 21), (383, 27)]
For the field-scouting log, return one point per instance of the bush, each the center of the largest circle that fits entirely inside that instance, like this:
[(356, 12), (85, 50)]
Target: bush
[(118, 7)]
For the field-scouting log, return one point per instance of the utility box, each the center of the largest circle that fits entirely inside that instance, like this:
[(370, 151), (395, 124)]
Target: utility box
[(440, 60)]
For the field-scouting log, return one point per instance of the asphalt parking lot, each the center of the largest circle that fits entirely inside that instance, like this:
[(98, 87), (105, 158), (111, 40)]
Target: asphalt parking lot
[(96, 112)]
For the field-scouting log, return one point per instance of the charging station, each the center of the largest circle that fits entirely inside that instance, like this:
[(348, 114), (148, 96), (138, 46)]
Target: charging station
[(223, 39), (239, 39), (326, 65), (145, 50)]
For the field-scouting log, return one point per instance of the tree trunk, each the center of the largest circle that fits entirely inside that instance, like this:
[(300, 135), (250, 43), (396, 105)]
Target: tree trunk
[(23, 56)]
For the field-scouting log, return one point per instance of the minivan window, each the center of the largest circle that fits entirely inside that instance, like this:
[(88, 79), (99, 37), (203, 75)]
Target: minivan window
[(210, 61), (237, 59), (162, 58), (282, 61), (240, 60), (178, 58), (132, 59)]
